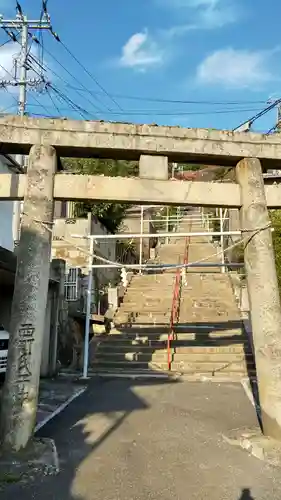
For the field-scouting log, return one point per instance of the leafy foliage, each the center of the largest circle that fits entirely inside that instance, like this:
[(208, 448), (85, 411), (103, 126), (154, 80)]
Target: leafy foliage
[(188, 166), (275, 216), (109, 214)]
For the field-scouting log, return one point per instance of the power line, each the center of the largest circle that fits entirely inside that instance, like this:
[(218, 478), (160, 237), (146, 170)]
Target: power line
[(273, 129), (89, 73), (39, 103), (172, 101), (38, 25), (249, 122), (45, 67), (76, 107), (7, 108), (12, 96), (53, 101), (72, 76), (23, 25), (173, 113), (6, 42)]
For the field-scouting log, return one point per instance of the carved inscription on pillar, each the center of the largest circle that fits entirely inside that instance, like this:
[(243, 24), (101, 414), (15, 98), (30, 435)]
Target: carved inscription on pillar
[(26, 339)]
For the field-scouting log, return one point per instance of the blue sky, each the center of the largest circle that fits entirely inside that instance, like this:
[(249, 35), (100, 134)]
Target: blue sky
[(193, 50)]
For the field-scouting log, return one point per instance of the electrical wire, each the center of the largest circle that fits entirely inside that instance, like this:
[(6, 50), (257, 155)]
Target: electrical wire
[(45, 68), (7, 71), (83, 112), (73, 106), (6, 42), (175, 113), (38, 102), (58, 39), (273, 129), (172, 101), (53, 101), (10, 94), (155, 112), (89, 74), (56, 74), (7, 109), (258, 115), (72, 76)]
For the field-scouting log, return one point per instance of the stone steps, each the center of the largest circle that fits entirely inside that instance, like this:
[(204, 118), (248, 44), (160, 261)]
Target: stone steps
[(182, 345), (240, 370), (209, 339), (181, 331), (141, 319), (191, 359), (197, 352), (155, 307)]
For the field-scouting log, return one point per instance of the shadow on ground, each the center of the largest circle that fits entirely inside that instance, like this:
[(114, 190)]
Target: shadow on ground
[(79, 432), (246, 495), (154, 439)]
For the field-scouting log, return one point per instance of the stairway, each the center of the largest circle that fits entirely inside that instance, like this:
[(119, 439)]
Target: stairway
[(209, 339)]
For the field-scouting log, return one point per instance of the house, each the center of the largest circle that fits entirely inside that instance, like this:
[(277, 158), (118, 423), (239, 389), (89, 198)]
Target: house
[(71, 243)]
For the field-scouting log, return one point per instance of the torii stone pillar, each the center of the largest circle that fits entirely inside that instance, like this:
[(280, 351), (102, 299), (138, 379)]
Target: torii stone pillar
[(20, 395), (263, 291)]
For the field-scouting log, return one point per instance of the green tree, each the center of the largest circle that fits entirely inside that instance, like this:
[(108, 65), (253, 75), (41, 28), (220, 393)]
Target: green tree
[(110, 215)]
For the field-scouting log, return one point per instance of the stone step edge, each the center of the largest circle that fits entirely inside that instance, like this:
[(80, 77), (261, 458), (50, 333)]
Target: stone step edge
[(173, 375)]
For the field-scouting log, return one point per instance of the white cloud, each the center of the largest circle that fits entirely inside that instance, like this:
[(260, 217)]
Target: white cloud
[(212, 18), (8, 53), (194, 3), (141, 52), (201, 14), (235, 68)]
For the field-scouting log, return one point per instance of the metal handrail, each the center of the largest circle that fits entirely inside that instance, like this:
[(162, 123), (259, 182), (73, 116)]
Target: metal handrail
[(175, 310)]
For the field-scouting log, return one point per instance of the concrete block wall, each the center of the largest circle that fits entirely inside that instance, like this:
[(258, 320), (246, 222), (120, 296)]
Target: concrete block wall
[(64, 229)]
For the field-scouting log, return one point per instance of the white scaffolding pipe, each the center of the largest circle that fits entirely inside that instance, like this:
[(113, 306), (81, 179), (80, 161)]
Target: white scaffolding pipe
[(186, 219), (167, 225), (141, 239), (88, 310), (167, 266), (222, 241), (125, 236)]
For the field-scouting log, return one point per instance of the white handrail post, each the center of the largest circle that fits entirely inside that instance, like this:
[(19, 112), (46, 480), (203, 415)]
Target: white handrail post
[(223, 269), (141, 240), (167, 225), (88, 310)]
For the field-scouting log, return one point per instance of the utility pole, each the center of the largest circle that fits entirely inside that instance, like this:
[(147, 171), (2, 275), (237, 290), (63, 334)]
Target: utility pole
[(24, 27)]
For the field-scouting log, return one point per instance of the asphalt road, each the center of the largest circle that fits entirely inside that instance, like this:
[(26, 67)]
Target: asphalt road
[(154, 440)]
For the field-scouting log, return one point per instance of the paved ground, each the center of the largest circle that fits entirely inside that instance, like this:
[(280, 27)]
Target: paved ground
[(153, 440), (54, 395)]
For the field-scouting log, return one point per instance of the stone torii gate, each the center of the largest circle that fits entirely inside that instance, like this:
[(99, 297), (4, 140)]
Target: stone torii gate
[(45, 141)]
